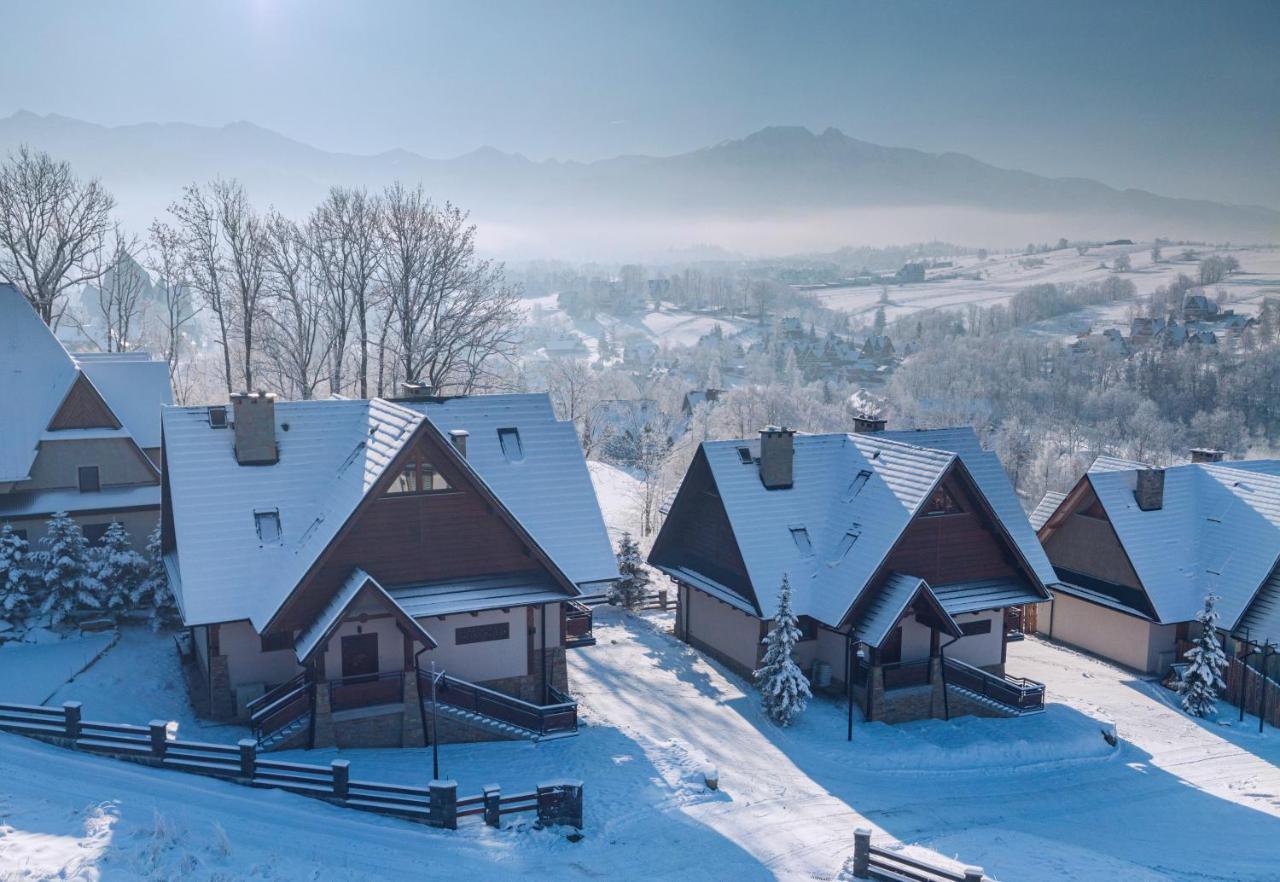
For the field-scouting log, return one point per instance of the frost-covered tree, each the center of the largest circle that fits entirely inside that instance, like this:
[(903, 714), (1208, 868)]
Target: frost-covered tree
[(1202, 677), (16, 584), (117, 569), (783, 687), (153, 590), (630, 589), (68, 580)]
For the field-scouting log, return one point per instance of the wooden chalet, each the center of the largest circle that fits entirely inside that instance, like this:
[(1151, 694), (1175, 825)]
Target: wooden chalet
[(334, 560), (908, 555)]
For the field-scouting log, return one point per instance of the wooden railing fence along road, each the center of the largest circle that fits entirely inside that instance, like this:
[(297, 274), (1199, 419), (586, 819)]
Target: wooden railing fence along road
[(873, 862), (437, 804)]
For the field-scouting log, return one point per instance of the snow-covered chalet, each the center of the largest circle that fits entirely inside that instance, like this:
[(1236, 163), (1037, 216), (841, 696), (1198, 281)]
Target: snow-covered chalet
[(909, 557), (1137, 549), (79, 432), (337, 562)]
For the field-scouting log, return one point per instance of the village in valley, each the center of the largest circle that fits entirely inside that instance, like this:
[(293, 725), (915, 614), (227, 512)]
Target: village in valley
[(787, 518)]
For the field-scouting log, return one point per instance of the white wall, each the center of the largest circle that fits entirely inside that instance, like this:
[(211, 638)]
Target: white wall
[(390, 645), (980, 650), (725, 629), (1128, 640), (247, 663), (492, 659), (915, 639)]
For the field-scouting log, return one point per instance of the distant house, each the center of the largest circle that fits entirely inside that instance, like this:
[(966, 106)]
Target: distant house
[(1137, 548), (1196, 307), (78, 432), (326, 555), (698, 398), (1144, 330), (791, 327), (910, 272), (908, 554), (878, 348), (565, 346)]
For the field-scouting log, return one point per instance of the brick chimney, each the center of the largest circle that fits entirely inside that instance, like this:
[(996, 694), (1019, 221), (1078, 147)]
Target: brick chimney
[(777, 450), (458, 437), (1206, 454), (416, 391), (255, 428), (864, 424), (1149, 491)]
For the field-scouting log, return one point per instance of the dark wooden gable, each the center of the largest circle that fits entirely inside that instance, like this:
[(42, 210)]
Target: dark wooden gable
[(1080, 537), (698, 535), (415, 538), (83, 408)]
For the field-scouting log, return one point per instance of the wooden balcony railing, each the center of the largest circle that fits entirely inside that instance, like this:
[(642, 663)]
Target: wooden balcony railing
[(1016, 692), (366, 691)]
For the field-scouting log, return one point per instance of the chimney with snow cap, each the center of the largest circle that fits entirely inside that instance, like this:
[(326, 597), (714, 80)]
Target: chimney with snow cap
[(255, 428), (1206, 454), (777, 450), (459, 439), (1149, 491), (864, 423), (416, 391)]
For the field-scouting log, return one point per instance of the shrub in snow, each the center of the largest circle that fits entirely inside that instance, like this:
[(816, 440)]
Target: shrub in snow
[(153, 590), (629, 590), (783, 688), (17, 585), (117, 569), (1202, 677), (68, 582)]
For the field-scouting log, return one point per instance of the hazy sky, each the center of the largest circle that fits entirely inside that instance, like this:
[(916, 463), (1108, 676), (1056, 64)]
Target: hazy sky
[(1182, 98)]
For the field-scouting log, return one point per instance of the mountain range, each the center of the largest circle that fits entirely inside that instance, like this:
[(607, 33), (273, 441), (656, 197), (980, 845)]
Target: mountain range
[(779, 190)]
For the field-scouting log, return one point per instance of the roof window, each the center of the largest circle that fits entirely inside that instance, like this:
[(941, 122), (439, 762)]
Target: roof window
[(859, 481), (512, 448), (744, 455), (217, 418), (847, 541), (267, 522), (800, 536)]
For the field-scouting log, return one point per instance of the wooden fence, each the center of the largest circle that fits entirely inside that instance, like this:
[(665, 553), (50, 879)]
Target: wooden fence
[(1258, 691), (660, 600), (872, 862), (437, 804)]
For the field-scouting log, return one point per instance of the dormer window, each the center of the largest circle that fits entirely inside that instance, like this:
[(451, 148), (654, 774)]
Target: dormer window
[(800, 536), (217, 418), (267, 522), (512, 447)]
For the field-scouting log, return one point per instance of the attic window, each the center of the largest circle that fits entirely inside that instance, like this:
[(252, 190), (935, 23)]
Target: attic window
[(744, 455), (800, 536), (268, 525), (859, 481), (847, 541), (942, 503), (512, 449), (217, 418)]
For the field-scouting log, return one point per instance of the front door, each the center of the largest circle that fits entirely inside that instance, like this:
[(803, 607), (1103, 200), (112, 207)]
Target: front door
[(359, 655)]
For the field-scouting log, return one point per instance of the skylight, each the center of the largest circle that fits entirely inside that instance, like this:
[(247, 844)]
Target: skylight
[(847, 541), (217, 417), (744, 455), (512, 448), (859, 481), (800, 536), (267, 523)]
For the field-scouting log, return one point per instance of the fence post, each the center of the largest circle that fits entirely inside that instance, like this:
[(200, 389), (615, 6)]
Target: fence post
[(560, 802), (662, 598), (341, 770), (444, 804), (862, 853), (973, 874), (248, 758), (492, 804), (159, 737), (71, 719)]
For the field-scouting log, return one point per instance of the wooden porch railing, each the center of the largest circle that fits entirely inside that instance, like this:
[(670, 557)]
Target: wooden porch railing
[(277, 708), (560, 716), (1016, 692), (366, 691), (578, 624)]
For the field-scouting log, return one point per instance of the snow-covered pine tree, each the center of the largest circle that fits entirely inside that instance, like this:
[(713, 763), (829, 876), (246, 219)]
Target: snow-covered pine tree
[(154, 591), (68, 582), (117, 569), (1202, 677), (784, 689), (629, 590), (17, 587)]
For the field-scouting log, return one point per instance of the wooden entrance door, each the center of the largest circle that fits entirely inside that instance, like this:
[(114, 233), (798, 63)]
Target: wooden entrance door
[(360, 655)]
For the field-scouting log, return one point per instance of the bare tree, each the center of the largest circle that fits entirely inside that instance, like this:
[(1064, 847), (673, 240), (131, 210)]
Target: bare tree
[(295, 340), (454, 314), (117, 299), (344, 232), (51, 226), (170, 269)]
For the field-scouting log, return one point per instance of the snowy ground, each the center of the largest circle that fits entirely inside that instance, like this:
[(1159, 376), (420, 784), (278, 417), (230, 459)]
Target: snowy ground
[(32, 672), (621, 497), (1029, 799)]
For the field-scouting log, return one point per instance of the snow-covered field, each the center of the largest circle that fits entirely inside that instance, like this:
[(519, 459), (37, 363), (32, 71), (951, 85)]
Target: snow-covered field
[(1004, 277), (621, 497)]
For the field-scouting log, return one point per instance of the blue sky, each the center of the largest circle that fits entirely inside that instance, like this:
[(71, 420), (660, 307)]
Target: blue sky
[(1178, 97)]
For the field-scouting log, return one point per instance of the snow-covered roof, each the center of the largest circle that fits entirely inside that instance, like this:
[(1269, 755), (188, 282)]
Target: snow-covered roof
[(958, 598), (1045, 508), (546, 484), (472, 595), (881, 613), (989, 474), (35, 375), (135, 387), (329, 617), (1217, 531), (852, 496), (331, 454), (37, 372)]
